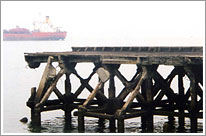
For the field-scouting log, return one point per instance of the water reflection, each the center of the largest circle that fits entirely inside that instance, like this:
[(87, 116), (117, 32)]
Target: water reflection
[(92, 125)]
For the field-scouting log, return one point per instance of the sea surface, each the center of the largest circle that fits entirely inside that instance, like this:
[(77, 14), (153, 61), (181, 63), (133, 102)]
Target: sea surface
[(17, 79)]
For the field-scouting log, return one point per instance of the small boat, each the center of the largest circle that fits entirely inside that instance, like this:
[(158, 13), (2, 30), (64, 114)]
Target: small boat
[(42, 31)]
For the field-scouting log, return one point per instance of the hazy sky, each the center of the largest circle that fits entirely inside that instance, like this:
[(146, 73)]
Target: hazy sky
[(114, 22)]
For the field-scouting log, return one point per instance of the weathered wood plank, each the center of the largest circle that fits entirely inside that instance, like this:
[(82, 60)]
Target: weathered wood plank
[(51, 88), (92, 94), (133, 94), (126, 90), (44, 79), (84, 83)]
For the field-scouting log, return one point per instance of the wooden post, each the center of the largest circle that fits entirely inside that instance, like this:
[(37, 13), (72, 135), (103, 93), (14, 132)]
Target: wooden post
[(80, 121), (143, 117), (181, 119), (67, 110), (67, 84), (111, 95), (149, 98), (193, 94), (36, 117), (68, 118), (147, 119), (33, 94), (171, 117), (120, 124), (111, 86), (35, 112)]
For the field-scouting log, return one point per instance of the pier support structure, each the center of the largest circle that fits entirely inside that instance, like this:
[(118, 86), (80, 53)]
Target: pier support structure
[(153, 93)]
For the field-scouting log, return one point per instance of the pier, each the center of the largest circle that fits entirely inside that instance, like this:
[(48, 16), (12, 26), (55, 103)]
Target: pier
[(147, 94)]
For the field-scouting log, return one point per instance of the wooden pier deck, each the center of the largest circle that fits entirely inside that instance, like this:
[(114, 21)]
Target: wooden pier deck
[(147, 86)]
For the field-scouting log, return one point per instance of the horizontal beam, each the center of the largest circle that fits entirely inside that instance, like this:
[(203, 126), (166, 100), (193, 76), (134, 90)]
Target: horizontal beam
[(138, 49), (178, 56), (95, 115)]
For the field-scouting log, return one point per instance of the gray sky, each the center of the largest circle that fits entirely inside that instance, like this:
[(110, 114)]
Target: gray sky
[(116, 22)]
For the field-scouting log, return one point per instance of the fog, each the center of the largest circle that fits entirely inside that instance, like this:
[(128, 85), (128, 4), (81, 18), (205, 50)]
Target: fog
[(127, 23)]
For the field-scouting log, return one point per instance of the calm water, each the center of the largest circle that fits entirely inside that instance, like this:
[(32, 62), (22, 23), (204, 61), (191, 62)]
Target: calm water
[(18, 78)]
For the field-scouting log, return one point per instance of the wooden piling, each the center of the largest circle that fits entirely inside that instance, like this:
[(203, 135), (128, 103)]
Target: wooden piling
[(111, 91), (120, 125), (35, 117), (67, 109), (149, 99), (143, 108), (67, 84), (193, 94), (181, 103), (81, 126), (35, 112)]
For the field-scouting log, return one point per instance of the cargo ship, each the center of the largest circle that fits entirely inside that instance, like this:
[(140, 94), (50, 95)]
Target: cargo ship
[(42, 31)]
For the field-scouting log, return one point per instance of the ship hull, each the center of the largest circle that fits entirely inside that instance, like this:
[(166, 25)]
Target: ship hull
[(34, 36)]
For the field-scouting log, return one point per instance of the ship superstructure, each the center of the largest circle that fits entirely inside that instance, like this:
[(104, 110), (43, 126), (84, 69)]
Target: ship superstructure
[(42, 31)]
